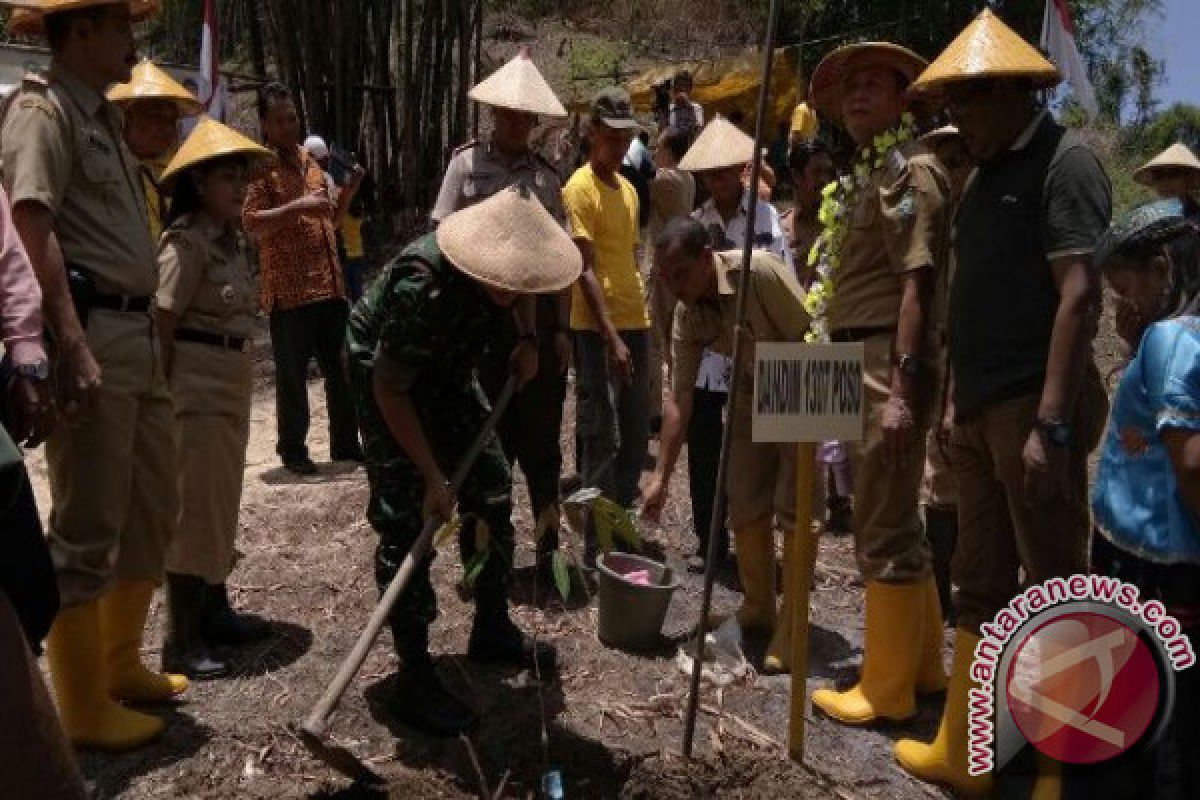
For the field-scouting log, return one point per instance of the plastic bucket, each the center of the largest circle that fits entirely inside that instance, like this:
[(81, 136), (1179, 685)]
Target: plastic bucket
[(631, 615)]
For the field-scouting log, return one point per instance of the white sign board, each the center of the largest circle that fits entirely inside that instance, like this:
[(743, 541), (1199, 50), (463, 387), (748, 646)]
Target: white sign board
[(808, 392)]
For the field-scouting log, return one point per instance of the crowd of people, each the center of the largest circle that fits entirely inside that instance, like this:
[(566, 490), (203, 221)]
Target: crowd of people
[(963, 241)]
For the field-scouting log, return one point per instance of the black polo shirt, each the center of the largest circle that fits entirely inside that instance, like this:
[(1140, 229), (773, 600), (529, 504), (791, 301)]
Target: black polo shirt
[(1045, 198)]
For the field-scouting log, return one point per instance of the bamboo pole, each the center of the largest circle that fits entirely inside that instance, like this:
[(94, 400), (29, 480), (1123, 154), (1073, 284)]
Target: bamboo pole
[(800, 569), (718, 517)]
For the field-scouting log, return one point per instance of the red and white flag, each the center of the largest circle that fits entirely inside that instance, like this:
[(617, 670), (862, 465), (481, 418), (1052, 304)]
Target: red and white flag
[(1058, 40), (209, 87)]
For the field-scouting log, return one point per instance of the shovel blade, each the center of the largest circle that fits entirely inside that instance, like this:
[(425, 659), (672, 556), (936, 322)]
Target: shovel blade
[(339, 758)]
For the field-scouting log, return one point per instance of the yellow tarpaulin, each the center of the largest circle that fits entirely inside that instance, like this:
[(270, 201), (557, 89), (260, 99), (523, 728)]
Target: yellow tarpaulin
[(730, 84)]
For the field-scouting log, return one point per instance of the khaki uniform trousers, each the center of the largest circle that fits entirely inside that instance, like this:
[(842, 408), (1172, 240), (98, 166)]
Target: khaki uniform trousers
[(939, 488), (662, 315), (213, 389), (761, 477), (112, 477), (1000, 532), (889, 539)]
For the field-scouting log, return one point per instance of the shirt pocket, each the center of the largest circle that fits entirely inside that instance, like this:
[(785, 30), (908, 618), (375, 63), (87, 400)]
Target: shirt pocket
[(101, 176), (865, 213)]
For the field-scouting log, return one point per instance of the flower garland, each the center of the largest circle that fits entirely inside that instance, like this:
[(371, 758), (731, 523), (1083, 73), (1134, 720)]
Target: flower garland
[(838, 200)]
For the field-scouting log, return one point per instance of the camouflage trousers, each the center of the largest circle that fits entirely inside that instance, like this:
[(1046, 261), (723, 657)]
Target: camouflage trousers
[(451, 420)]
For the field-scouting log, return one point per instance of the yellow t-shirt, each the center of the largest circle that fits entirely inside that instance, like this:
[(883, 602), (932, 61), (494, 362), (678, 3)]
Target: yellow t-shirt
[(608, 218)]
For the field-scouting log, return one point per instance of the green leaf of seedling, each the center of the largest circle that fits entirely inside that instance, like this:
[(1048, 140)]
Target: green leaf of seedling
[(474, 567), (562, 575), (448, 531), (614, 521)]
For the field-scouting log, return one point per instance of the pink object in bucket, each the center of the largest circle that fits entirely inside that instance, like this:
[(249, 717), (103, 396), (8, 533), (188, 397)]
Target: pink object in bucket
[(639, 577)]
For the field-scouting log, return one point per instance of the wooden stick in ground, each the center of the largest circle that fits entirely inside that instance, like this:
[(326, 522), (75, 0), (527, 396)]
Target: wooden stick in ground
[(718, 517), (313, 729), (800, 570)]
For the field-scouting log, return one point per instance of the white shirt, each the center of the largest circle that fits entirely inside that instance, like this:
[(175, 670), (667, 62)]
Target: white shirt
[(714, 371)]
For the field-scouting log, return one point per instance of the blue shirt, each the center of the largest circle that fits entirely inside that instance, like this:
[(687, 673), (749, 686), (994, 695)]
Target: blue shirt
[(1136, 498)]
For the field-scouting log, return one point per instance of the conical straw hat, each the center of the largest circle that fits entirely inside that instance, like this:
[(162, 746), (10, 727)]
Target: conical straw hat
[(208, 140), (829, 78), (511, 242), (149, 82), (1177, 156), (520, 87), (26, 19), (718, 146), (987, 48)]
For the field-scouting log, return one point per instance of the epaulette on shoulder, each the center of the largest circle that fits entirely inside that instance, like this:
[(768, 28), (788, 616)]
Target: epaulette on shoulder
[(465, 147)]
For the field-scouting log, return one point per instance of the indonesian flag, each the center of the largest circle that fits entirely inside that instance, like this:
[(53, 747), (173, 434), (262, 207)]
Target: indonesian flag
[(1058, 40), (208, 82)]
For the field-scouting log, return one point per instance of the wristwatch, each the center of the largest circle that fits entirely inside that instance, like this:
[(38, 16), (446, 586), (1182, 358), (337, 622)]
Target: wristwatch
[(908, 363), (1056, 432), (38, 371)]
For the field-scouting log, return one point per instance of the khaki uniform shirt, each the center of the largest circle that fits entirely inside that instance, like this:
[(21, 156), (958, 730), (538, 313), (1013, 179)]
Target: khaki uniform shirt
[(62, 147), (899, 223), (774, 313), (477, 171), (206, 278), (801, 234)]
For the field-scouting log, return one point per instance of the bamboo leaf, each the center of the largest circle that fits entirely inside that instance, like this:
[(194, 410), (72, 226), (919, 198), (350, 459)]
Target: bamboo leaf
[(448, 530), (617, 522), (474, 567), (562, 575)]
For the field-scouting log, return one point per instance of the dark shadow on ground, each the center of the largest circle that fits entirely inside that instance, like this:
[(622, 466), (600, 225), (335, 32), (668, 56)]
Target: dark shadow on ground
[(287, 644), (508, 741), (826, 648), (333, 472), (110, 774)]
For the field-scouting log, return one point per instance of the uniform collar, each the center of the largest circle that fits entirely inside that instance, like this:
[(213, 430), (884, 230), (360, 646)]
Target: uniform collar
[(724, 265), (1027, 135), (88, 99), (212, 232), (743, 210)]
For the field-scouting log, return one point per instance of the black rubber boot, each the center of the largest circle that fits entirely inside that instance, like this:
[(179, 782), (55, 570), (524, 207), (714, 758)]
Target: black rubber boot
[(223, 625), (941, 527), (185, 652), (496, 640), (841, 514), (421, 700)]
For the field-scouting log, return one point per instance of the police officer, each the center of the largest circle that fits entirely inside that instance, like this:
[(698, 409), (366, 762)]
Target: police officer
[(153, 104), (415, 341), (887, 246), (206, 302), (80, 209), (529, 431)]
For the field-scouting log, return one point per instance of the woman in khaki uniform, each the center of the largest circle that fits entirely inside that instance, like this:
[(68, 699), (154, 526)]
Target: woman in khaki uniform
[(205, 304)]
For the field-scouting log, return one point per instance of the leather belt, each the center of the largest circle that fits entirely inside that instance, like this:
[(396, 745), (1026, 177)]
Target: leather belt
[(121, 302), (221, 340), (859, 334)]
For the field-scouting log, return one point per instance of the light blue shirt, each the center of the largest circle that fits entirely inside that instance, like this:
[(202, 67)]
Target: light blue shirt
[(1136, 498)]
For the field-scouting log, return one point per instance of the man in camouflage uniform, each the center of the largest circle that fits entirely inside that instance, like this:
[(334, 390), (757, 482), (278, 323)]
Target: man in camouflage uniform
[(530, 428), (415, 341)]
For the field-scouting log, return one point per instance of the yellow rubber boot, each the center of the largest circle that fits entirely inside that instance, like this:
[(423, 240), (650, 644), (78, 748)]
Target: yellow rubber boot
[(944, 761), (931, 671), (777, 658), (895, 615), (122, 622), (756, 568), (89, 716), (1048, 783)]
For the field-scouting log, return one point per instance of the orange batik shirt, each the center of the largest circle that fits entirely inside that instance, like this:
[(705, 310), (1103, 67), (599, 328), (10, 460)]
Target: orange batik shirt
[(298, 262)]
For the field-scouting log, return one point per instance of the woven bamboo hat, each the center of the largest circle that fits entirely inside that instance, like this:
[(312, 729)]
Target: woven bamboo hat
[(520, 87), (1176, 157), (150, 82), (27, 15), (511, 242), (719, 145), (829, 78), (987, 48), (208, 140)]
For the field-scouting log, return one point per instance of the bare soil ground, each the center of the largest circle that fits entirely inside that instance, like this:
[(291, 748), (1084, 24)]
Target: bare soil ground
[(613, 719)]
